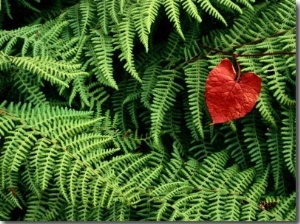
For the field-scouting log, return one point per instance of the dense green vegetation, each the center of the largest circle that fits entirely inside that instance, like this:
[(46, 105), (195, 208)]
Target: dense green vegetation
[(103, 113)]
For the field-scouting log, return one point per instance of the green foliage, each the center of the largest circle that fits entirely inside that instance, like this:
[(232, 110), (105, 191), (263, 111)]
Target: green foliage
[(103, 114)]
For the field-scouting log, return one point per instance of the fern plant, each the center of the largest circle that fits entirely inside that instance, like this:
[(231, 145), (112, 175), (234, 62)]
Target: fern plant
[(103, 114)]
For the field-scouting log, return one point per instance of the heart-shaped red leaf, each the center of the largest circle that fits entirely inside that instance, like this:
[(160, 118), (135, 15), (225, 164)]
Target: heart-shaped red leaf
[(228, 99)]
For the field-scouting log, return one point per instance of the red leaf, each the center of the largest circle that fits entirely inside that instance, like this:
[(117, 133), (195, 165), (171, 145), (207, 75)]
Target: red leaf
[(228, 99)]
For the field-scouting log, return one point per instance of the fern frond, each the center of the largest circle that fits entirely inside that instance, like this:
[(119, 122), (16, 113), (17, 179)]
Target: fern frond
[(216, 209), (201, 149), (150, 8), (207, 6), (191, 47), (7, 7), (190, 122), (197, 210), (7, 124), (235, 146), (149, 80), (238, 34), (87, 10), (285, 208), (249, 210), (233, 6), (114, 7), (103, 15), (196, 74), (78, 84), (52, 30), (216, 162), (80, 16), (6, 206), (15, 151), (173, 189), (253, 134), (288, 133), (140, 26), (237, 185), (264, 106), (286, 14), (219, 199), (275, 149), (173, 168), (54, 71), (72, 49), (241, 182), (120, 98), (125, 37), (172, 11), (29, 88), (45, 170), (162, 102), (36, 210), (109, 120), (103, 49), (29, 6), (191, 9), (5, 63), (277, 67), (133, 93), (97, 95), (173, 50), (119, 212), (8, 39)]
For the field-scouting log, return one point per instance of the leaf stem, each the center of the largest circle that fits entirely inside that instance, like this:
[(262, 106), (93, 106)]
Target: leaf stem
[(261, 39), (216, 50), (245, 55), (262, 54), (238, 66)]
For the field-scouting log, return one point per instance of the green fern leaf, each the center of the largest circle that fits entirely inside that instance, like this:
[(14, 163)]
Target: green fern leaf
[(288, 133), (264, 106), (79, 87), (114, 6), (162, 102), (275, 149), (140, 26), (191, 47), (7, 124), (208, 7), (235, 146), (249, 210), (253, 134), (150, 8), (285, 207), (29, 88), (49, 69), (148, 83), (87, 10), (191, 9), (103, 15), (16, 148), (196, 74), (172, 10), (103, 48), (125, 38), (215, 161), (46, 165), (237, 185)]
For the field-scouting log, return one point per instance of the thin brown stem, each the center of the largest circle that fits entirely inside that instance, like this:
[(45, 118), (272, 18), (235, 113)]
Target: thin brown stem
[(261, 39), (246, 55), (238, 66), (263, 54), (216, 50)]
